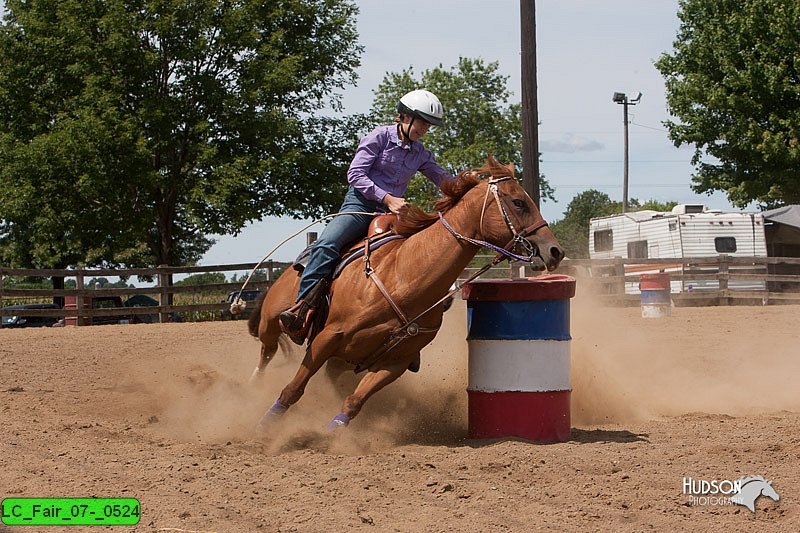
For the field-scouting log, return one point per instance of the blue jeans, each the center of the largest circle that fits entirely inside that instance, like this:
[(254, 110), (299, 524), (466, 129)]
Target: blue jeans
[(340, 233)]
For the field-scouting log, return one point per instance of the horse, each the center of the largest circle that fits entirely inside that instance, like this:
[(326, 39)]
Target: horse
[(367, 324), (751, 488)]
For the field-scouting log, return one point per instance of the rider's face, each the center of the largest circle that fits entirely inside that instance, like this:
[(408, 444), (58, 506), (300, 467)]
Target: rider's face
[(417, 130)]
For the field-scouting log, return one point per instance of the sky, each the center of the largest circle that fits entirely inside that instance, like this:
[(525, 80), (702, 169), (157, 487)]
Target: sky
[(586, 51)]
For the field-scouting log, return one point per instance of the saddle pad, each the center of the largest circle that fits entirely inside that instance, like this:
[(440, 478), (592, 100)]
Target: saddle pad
[(352, 255), (349, 256)]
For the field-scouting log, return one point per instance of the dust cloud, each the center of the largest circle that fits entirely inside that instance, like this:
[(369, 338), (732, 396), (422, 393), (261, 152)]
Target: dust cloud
[(722, 360)]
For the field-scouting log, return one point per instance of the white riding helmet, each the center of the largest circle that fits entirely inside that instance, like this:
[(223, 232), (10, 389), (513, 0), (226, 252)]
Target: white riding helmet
[(422, 104)]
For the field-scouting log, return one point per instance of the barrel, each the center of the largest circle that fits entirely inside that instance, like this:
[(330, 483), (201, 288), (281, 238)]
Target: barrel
[(519, 358), (655, 295)]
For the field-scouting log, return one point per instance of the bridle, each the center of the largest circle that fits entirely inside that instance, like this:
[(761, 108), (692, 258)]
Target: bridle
[(519, 238)]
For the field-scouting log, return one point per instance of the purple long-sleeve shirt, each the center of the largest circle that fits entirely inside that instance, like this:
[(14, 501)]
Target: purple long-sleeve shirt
[(382, 165)]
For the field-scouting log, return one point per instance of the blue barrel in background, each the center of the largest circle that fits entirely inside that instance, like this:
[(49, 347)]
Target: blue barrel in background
[(656, 296)]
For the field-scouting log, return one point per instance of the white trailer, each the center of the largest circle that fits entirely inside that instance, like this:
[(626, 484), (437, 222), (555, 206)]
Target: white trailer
[(687, 231)]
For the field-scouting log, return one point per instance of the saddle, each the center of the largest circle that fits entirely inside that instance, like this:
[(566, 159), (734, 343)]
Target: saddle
[(379, 233)]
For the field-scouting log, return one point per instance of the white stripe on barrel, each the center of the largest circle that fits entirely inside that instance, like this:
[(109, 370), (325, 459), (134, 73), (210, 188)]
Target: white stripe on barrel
[(519, 358)]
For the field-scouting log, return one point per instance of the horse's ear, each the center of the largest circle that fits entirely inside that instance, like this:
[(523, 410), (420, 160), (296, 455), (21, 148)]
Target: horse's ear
[(510, 168), (491, 161)]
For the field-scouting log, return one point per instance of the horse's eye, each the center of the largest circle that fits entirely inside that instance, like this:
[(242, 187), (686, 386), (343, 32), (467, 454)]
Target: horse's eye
[(519, 204)]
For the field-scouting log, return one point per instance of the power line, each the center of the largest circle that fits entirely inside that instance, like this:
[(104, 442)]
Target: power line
[(615, 161), (650, 127), (613, 186)]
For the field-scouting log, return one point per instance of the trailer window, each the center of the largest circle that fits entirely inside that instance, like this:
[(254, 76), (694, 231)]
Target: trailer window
[(603, 240), (725, 245), (637, 249)]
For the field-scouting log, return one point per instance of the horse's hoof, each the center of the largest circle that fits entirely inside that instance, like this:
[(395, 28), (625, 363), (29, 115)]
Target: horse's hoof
[(340, 421), (271, 417)]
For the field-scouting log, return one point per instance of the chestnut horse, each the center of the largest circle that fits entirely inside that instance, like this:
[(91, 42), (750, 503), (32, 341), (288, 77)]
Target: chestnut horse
[(367, 325)]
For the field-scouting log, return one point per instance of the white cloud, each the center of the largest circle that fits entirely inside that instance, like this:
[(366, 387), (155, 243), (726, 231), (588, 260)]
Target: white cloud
[(570, 144)]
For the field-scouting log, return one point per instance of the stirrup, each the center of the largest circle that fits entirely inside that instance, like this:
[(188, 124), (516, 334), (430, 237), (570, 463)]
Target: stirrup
[(296, 322)]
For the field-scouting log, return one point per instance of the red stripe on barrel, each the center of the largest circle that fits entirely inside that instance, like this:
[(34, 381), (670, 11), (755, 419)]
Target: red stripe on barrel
[(538, 416)]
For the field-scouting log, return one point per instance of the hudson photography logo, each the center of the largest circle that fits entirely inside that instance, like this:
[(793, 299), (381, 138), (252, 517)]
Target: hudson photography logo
[(743, 491)]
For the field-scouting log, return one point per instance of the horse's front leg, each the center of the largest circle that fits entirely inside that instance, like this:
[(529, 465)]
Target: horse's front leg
[(372, 382)]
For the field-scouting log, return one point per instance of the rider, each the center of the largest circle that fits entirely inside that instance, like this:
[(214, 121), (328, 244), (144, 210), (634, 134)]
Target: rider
[(385, 161)]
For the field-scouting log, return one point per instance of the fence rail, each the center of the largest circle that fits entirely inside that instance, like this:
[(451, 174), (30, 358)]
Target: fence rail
[(163, 291)]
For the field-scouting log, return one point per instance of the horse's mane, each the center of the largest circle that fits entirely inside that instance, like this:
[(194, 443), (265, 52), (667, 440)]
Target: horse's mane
[(413, 219)]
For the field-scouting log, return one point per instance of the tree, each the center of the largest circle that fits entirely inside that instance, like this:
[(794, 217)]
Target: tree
[(732, 81), (204, 278), (573, 230), (132, 130), (478, 119)]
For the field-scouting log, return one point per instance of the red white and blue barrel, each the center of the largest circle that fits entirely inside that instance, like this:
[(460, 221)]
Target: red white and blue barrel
[(655, 295), (519, 358)]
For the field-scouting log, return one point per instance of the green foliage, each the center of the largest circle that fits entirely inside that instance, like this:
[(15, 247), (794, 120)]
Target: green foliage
[(572, 231), (653, 205), (732, 81), (103, 283), (478, 120), (258, 275), (18, 282), (205, 278), (132, 130)]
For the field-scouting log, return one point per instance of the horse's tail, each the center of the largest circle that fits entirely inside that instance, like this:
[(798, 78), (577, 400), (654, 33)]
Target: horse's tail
[(255, 318)]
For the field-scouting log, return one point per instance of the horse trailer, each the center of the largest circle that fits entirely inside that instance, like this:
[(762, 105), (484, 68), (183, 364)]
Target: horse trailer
[(687, 231)]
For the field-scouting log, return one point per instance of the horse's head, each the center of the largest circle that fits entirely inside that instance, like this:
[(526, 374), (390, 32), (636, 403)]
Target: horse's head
[(510, 218)]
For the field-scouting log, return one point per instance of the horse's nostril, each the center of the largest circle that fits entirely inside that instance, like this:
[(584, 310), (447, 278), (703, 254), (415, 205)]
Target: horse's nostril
[(557, 253)]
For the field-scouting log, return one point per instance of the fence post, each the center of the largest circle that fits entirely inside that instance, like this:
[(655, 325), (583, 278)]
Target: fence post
[(79, 319), (164, 283), (619, 272), (723, 279)]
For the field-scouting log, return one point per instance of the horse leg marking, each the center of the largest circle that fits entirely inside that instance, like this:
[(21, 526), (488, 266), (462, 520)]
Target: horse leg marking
[(273, 414)]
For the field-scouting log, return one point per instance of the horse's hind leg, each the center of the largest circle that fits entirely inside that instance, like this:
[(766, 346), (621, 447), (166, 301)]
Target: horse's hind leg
[(371, 383), (266, 326), (267, 353)]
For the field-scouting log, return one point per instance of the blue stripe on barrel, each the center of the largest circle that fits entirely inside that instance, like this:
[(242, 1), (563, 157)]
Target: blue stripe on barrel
[(650, 297), (520, 320)]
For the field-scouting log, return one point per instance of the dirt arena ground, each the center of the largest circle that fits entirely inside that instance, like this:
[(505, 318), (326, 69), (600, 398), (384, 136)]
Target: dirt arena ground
[(164, 413)]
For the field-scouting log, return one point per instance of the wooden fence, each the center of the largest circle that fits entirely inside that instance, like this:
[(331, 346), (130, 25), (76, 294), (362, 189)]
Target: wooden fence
[(163, 291), (715, 280)]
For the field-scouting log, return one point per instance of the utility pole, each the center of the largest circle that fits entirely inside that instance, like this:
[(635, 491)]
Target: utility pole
[(622, 98), (530, 111)]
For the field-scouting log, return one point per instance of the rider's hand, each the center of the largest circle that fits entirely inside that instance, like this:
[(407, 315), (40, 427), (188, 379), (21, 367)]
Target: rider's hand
[(394, 203)]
